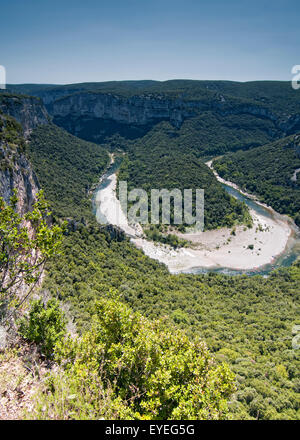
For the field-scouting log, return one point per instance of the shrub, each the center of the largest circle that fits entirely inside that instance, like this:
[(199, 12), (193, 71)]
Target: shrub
[(45, 325), (128, 366)]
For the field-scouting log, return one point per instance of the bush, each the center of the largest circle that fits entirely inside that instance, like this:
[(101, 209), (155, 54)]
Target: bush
[(128, 366), (45, 325)]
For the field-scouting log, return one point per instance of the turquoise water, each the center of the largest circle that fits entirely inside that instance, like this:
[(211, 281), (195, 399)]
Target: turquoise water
[(286, 259)]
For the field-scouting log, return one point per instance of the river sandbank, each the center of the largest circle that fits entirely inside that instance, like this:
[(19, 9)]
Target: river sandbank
[(239, 249)]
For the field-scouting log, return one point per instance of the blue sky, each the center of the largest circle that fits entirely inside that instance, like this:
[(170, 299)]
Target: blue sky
[(69, 41)]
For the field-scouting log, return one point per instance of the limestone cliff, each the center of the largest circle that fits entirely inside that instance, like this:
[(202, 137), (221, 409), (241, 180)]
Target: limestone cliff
[(136, 110), (15, 170), (74, 110), (27, 110)]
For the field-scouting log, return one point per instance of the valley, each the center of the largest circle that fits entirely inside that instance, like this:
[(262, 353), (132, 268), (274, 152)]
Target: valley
[(272, 236), (234, 287)]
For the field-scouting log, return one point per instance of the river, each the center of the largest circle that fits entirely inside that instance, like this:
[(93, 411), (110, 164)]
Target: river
[(278, 244)]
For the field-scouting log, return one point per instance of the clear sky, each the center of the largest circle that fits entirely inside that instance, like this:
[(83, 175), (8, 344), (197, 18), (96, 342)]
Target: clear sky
[(67, 41)]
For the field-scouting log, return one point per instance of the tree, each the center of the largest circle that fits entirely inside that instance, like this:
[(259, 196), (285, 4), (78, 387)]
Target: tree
[(45, 325), (26, 243), (128, 367)]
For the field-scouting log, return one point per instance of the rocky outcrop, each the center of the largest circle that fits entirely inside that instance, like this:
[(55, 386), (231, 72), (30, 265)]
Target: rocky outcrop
[(15, 170), (49, 96), (28, 111), (19, 177), (22, 178), (136, 110), (147, 109)]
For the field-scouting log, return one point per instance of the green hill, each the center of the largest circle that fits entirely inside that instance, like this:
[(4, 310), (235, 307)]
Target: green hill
[(245, 321), (268, 172), (155, 162), (67, 167)]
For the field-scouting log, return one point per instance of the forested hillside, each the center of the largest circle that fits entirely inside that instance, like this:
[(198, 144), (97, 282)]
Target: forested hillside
[(128, 367), (67, 168), (211, 117), (155, 162), (246, 321), (272, 94), (119, 362), (270, 172)]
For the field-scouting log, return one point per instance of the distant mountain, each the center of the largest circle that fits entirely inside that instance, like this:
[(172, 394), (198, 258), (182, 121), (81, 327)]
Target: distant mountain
[(214, 116)]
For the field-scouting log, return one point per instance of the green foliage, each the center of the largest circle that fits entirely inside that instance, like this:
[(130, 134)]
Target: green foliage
[(12, 142), (147, 370), (124, 366), (153, 233), (10, 132), (67, 168), (271, 95), (45, 325), (267, 171), (246, 321), (154, 162), (230, 116), (26, 244)]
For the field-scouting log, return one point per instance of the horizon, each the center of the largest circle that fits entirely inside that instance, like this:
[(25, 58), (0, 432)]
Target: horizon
[(142, 80)]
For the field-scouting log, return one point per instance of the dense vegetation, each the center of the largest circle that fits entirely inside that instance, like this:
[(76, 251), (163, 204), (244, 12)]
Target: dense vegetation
[(273, 95), (207, 133), (211, 133), (268, 172), (233, 115), (246, 321), (11, 133), (12, 143), (154, 162), (27, 242), (44, 325), (67, 168), (127, 367)]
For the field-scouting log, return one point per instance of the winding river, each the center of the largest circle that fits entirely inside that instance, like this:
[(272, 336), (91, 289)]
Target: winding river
[(275, 237)]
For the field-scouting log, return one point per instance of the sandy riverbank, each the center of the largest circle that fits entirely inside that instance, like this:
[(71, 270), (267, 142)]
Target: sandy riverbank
[(246, 250)]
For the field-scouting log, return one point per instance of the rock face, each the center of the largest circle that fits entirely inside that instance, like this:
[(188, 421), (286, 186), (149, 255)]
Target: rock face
[(75, 110), (16, 172), (28, 111), (19, 177), (145, 109), (49, 96), (136, 110)]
